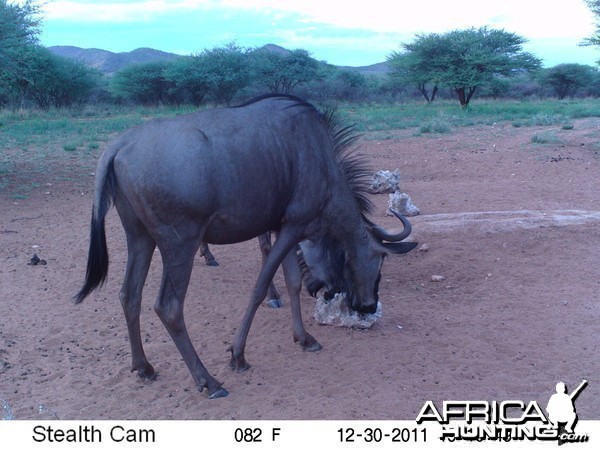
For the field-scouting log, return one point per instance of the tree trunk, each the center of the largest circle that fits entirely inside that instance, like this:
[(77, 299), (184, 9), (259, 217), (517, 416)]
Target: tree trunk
[(470, 94), (464, 96), (424, 92), (433, 92)]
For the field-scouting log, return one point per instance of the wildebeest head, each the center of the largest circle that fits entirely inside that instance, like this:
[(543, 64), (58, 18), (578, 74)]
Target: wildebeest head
[(355, 270), (384, 243), (328, 267)]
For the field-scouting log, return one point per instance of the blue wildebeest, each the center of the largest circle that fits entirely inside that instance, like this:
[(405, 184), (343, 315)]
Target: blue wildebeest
[(292, 178)]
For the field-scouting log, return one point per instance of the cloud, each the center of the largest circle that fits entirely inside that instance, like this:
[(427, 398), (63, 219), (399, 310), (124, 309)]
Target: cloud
[(334, 40), (117, 11), (536, 18), (340, 32), (531, 18)]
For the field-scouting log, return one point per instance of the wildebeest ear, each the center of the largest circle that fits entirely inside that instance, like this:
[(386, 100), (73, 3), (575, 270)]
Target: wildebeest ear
[(399, 247)]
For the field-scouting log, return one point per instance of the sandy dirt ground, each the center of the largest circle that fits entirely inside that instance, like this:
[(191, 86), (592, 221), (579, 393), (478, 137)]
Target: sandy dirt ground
[(517, 311)]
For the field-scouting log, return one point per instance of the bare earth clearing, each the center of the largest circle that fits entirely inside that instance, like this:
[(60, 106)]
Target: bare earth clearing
[(518, 310)]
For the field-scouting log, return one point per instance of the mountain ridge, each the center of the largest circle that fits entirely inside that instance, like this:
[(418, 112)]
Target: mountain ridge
[(109, 62)]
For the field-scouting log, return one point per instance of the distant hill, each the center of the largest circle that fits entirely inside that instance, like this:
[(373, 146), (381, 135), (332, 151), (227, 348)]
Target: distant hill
[(109, 62), (276, 49), (374, 69)]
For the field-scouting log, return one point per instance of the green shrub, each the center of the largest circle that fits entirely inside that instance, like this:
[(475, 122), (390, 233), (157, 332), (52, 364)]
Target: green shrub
[(435, 126), (545, 137)]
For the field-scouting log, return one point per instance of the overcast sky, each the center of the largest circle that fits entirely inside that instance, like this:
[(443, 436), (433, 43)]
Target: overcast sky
[(352, 33)]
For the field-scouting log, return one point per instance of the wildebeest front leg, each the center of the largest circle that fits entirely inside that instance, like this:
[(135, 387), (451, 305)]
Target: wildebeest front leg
[(169, 307), (293, 281), (264, 242), (286, 241)]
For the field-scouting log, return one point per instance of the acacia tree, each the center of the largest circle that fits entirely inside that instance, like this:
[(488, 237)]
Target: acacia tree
[(226, 71), (18, 29), (67, 82), (463, 59), (218, 73), (566, 79), (283, 72), (144, 83), (18, 32), (188, 79), (594, 6), (30, 72), (414, 65)]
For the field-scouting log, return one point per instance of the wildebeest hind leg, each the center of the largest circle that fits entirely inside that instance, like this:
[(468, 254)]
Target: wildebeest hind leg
[(177, 268), (209, 258), (293, 281), (140, 248), (138, 261)]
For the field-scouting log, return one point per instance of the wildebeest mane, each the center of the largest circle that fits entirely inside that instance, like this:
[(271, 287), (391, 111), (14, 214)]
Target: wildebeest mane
[(354, 166)]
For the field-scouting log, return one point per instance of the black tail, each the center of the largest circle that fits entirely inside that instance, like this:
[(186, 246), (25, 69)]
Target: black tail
[(97, 264)]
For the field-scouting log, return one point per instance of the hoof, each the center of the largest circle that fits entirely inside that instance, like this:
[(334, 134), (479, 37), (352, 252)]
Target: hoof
[(219, 393), (146, 373), (212, 263), (275, 303), (313, 347), (239, 364), (309, 343)]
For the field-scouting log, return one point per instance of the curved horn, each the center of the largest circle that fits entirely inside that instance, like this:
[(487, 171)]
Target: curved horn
[(385, 236)]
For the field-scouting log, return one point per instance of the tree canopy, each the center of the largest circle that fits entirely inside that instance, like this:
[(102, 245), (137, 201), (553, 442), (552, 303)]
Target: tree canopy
[(461, 59), (30, 72), (566, 79), (18, 32), (417, 64), (226, 71), (144, 83), (282, 72), (594, 6), (217, 74), (18, 29)]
